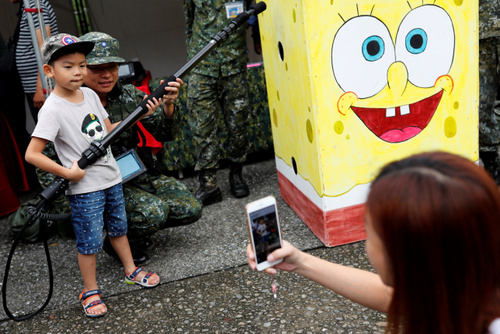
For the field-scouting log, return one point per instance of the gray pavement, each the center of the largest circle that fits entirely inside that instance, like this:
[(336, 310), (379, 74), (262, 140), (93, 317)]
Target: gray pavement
[(206, 285)]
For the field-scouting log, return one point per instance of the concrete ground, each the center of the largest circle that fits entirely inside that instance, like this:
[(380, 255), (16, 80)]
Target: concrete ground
[(206, 285)]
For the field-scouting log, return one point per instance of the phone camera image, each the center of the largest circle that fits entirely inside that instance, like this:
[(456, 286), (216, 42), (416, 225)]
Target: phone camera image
[(265, 232)]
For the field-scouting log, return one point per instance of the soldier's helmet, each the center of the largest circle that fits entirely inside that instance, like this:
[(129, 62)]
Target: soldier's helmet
[(105, 49)]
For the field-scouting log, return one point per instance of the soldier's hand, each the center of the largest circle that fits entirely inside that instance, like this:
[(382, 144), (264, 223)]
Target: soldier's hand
[(151, 105), (172, 93)]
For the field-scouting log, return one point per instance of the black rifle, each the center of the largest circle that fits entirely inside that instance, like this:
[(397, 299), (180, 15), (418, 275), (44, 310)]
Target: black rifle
[(98, 149)]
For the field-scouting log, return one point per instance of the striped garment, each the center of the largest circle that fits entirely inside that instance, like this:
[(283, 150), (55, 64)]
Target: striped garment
[(25, 54)]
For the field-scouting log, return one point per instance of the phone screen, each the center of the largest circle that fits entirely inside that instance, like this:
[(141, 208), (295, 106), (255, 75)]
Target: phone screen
[(265, 232)]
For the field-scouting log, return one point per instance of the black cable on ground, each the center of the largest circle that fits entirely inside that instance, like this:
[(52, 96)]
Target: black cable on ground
[(43, 225)]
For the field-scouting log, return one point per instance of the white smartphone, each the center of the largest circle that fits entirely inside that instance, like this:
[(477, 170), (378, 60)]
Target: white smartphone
[(264, 230)]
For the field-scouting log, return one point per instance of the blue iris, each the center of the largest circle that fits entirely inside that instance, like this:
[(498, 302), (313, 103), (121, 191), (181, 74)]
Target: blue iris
[(373, 48), (416, 41)]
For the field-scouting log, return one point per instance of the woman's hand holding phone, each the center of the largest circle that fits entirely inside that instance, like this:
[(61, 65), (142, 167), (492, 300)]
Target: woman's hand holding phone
[(288, 255)]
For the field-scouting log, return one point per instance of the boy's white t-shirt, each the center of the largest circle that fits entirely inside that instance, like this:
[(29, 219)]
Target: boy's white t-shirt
[(73, 127)]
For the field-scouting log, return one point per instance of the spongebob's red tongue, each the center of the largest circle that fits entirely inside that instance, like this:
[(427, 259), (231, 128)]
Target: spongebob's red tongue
[(397, 136)]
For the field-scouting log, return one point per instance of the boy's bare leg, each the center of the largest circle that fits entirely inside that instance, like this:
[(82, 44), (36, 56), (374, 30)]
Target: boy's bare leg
[(87, 265), (122, 248)]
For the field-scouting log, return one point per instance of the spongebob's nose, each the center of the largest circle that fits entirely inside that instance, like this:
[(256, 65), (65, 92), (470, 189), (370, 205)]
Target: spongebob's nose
[(397, 78)]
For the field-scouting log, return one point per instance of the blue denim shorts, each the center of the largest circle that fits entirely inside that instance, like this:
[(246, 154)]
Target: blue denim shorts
[(95, 211)]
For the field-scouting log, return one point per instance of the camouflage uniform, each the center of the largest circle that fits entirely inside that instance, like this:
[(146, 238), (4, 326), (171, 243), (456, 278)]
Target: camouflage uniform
[(489, 83), (489, 53), (216, 83), (153, 201), (180, 153)]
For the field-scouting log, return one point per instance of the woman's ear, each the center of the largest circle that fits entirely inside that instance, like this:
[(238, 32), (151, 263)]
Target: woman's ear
[(48, 70)]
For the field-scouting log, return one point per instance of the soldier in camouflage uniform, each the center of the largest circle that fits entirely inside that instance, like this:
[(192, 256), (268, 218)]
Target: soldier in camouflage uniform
[(153, 201), (489, 84), (217, 83)]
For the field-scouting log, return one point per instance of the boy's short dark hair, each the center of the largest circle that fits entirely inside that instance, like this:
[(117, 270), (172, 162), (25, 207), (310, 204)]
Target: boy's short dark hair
[(62, 44)]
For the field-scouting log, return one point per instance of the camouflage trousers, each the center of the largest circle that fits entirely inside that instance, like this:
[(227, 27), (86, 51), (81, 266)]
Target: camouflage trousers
[(171, 205), (207, 96), (489, 84)]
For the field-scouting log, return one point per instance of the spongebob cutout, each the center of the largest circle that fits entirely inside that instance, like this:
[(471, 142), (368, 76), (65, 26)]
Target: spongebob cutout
[(355, 85)]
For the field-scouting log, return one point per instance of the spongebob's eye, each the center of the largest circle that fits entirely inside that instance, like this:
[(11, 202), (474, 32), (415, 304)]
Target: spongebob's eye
[(416, 41), (425, 43), (373, 48), (362, 52)]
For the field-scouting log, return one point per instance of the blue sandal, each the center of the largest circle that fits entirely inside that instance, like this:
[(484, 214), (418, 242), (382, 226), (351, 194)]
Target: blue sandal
[(130, 278), (84, 296)]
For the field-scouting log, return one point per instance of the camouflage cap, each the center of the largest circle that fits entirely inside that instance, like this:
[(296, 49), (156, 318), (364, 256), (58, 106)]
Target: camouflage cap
[(105, 50), (57, 45)]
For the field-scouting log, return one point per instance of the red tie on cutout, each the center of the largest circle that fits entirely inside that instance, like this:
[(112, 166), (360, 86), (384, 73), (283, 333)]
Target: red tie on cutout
[(146, 139)]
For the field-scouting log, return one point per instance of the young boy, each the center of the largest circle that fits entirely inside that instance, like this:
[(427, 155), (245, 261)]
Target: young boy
[(73, 117)]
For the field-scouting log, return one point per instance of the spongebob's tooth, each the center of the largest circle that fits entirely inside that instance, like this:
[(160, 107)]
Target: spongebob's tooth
[(405, 110), (390, 112)]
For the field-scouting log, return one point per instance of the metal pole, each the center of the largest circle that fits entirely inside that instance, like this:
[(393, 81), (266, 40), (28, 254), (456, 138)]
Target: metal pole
[(43, 31), (36, 47), (41, 19), (85, 17), (77, 19)]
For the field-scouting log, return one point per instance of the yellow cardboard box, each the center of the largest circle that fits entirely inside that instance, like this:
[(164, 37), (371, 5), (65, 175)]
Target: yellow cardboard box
[(355, 85)]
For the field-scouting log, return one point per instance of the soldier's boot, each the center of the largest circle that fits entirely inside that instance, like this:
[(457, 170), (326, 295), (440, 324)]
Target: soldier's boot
[(491, 164), (208, 192), (238, 186)]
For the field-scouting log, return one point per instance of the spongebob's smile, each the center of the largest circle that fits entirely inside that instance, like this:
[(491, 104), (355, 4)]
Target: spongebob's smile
[(401, 123)]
